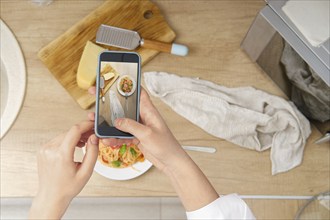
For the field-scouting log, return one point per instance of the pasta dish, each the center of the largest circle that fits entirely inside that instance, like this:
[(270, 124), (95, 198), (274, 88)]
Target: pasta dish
[(119, 156), (126, 85)]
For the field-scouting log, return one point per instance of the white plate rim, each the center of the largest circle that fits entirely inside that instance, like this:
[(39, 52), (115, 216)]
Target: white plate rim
[(13, 60)]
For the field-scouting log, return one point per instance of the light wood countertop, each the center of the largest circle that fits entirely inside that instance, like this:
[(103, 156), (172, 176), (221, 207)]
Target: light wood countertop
[(213, 30)]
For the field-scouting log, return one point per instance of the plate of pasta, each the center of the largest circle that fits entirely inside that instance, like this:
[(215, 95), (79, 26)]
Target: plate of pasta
[(121, 162), (126, 85)]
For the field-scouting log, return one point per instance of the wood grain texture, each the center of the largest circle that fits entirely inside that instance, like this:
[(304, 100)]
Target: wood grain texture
[(213, 30), (62, 55), (156, 45), (270, 209)]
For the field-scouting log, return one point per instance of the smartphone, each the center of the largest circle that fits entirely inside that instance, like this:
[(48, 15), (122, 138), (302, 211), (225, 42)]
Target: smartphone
[(117, 92)]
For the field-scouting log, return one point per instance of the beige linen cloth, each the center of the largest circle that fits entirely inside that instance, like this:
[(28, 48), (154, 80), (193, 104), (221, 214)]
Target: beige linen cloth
[(245, 116)]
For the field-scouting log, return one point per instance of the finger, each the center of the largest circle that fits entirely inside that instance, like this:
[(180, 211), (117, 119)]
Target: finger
[(116, 142), (84, 138), (92, 90), (132, 127), (89, 160), (91, 116), (110, 141), (135, 141), (149, 114), (145, 98), (73, 136)]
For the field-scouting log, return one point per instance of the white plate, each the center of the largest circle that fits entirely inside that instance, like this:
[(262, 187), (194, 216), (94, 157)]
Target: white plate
[(118, 85), (127, 173), (13, 78)]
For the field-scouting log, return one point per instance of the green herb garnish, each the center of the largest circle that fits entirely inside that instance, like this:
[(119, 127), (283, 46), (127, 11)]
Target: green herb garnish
[(116, 163), (133, 152), (122, 149)]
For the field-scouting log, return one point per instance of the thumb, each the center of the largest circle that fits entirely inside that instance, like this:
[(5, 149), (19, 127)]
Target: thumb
[(133, 127), (88, 163)]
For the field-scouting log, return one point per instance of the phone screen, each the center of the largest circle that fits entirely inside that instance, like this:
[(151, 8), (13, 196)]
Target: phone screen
[(118, 89)]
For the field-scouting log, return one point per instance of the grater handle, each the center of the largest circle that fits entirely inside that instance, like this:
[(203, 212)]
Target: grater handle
[(176, 49)]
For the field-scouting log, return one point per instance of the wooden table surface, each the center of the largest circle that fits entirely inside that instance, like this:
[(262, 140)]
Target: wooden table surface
[(213, 30)]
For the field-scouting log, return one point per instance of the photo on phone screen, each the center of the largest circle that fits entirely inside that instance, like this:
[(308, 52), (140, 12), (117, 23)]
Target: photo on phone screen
[(119, 90)]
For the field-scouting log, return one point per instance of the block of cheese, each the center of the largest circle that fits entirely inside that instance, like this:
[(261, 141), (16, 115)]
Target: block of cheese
[(108, 76), (86, 74)]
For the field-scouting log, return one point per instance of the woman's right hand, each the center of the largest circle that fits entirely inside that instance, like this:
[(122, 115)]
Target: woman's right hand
[(160, 147), (153, 137)]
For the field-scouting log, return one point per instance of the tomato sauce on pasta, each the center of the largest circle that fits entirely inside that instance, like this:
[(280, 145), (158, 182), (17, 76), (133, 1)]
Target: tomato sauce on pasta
[(119, 156)]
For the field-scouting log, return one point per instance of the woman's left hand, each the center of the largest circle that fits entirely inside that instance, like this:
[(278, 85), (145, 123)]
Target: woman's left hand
[(60, 177)]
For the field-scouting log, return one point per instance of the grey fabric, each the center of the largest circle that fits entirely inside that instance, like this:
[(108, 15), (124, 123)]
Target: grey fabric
[(309, 92), (245, 116)]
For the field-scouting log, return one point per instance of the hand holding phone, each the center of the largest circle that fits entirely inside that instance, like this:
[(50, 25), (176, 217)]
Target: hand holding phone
[(117, 92)]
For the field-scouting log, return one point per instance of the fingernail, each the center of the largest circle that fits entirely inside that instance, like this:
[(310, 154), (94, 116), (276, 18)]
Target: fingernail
[(94, 140)]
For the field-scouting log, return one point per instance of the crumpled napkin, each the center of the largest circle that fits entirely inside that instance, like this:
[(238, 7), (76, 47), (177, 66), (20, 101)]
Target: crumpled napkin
[(245, 116)]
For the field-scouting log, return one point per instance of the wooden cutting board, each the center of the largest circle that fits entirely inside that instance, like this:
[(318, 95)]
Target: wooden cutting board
[(62, 55)]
